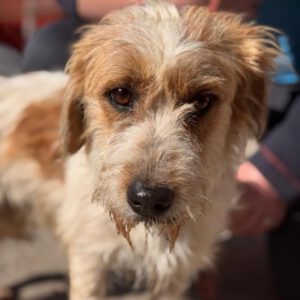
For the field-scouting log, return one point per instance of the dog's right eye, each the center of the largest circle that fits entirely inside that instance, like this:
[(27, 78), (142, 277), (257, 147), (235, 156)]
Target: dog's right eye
[(121, 97), (202, 103)]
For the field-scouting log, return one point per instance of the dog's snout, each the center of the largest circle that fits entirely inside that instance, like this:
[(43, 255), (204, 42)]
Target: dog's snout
[(149, 201)]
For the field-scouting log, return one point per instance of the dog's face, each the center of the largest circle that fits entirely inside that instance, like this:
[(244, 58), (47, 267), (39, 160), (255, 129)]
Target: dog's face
[(163, 101)]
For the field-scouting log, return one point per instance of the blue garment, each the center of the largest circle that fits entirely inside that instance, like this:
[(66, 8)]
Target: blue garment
[(69, 7), (283, 15), (285, 72), (49, 48), (279, 157)]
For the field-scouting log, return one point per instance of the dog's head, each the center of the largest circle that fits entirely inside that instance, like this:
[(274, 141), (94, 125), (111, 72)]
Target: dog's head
[(163, 101)]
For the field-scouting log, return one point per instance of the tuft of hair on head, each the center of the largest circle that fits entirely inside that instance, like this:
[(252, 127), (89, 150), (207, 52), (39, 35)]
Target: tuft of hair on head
[(250, 48)]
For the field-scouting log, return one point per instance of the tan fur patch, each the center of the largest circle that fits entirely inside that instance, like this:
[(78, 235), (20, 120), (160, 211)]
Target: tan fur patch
[(36, 136)]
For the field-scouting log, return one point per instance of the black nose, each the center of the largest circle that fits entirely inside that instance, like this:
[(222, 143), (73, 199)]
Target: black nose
[(149, 201)]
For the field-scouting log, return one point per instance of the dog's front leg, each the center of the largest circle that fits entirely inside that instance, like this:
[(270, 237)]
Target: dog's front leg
[(87, 277)]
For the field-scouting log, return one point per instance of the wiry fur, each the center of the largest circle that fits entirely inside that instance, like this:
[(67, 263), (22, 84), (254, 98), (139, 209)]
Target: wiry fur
[(168, 57)]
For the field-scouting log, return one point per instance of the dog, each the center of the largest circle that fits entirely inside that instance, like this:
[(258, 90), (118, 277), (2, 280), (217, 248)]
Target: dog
[(130, 158)]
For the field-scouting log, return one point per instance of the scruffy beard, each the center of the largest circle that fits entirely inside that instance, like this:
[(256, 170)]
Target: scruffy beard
[(168, 227)]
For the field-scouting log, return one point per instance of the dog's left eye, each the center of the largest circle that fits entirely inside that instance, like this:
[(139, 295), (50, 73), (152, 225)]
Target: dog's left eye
[(121, 97), (202, 102)]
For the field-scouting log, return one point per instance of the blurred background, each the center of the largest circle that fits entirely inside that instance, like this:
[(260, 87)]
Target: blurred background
[(37, 35)]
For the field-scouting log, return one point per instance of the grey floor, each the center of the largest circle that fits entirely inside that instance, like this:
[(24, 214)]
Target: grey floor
[(35, 269)]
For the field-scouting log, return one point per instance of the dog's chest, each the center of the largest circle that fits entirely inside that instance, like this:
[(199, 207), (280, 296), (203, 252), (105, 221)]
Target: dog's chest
[(149, 265)]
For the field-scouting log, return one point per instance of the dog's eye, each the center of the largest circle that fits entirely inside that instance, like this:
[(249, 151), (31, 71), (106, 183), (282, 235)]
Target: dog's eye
[(121, 96), (203, 101)]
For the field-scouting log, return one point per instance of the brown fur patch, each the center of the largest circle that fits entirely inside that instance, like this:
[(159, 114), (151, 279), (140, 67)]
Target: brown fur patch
[(36, 136)]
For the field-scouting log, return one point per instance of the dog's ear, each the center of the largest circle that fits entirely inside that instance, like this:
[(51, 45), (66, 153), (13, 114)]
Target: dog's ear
[(251, 50), (255, 57), (73, 112), (72, 125), (79, 67)]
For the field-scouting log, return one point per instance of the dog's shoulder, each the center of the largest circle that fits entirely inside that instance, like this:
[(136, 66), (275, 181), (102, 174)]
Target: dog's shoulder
[(36, 135), (30, 107)]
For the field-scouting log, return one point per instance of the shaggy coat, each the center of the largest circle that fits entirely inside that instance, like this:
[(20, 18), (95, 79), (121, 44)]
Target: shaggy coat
[(195, 89)]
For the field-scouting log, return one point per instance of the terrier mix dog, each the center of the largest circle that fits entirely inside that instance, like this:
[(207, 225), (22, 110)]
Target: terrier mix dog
[(157, 108)]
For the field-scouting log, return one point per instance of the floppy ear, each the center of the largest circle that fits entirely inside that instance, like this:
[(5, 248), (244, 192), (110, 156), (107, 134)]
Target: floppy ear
[(72, 126), (255, 57), (250, 49), (73, 112), (73, 121), (80, 65)]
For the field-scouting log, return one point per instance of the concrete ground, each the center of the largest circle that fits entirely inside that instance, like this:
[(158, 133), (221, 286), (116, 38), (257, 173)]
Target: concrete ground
[(35, 270)]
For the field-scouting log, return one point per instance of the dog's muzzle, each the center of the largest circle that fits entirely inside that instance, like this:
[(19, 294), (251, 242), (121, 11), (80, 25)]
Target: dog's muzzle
[(149, 201)]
